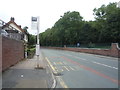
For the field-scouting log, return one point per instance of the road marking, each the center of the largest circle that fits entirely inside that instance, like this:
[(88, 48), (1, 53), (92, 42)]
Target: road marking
[(66, 68), (51, 65), (104, 65), (115, 68), (92, 70), (61, 63), (110, 58), (64, 63), (77, 68), (55, 68), (62, 70), (75, 57), (62, 83), (71, 68), (54, 63)]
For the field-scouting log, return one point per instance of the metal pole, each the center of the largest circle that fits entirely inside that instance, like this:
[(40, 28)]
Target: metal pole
[(38, 42), (38, 31), (39, 66)]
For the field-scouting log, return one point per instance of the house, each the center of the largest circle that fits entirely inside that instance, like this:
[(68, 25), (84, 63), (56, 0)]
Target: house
[(15, 31)]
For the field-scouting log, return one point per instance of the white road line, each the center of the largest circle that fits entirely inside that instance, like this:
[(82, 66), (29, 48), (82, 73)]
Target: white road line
[(75, 57), (105, 65), (66, 68), (115, 68), (62, 70), (71, 68), (54, 63), (77, 68), (91, 61), (65, 63)]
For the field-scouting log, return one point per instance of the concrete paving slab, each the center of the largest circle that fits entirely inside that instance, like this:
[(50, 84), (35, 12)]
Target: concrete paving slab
[(24, 75)]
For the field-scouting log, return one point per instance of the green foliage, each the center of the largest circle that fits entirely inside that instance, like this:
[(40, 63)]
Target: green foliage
[(91, 45), (108, 23), (31, 52), (31, 39), (71, 28)]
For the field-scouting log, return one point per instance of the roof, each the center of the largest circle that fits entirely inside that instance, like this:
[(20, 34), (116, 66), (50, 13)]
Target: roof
[(15, 25)]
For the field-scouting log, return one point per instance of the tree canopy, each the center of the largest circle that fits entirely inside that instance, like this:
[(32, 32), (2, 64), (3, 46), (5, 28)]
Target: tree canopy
[(71, 28)]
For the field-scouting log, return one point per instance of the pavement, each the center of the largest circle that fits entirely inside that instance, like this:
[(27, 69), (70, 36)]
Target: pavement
[(25, 75)]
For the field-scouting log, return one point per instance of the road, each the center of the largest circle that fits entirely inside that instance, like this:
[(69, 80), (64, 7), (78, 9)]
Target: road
[(82, 70)]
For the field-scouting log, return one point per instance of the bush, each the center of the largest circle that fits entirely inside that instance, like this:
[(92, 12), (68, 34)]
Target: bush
[(91, 45), (31, 52)]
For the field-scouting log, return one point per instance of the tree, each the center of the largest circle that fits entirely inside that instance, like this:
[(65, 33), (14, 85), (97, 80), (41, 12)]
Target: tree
[(71, 28), (31, 39), (108, 20)]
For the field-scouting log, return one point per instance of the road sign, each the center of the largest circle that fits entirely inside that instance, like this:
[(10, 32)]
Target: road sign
[(34, 19), (34, 23)]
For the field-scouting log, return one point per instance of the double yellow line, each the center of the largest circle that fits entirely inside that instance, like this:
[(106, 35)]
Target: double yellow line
[(51, 65), (59, 78)]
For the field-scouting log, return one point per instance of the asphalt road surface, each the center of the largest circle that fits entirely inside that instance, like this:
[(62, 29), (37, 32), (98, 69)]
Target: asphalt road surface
[(82, 70)]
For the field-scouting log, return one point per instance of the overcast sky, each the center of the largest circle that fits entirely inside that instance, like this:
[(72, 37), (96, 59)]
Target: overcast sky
[(48, 10)]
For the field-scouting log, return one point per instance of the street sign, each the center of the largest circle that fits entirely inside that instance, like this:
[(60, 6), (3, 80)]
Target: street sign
[(34, 23), (34, 19), (35, 26)]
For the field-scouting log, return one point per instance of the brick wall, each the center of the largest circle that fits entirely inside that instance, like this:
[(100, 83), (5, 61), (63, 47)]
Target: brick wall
[(114, 51), (0, 54), (12, 52)]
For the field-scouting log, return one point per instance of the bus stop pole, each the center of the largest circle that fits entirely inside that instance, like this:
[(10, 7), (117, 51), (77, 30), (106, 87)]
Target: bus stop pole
[(38, 42)]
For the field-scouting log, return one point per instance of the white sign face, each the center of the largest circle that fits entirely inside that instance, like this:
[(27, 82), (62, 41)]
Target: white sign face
[(34, 22)]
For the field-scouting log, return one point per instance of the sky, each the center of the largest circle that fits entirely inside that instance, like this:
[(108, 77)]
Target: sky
[(49, 11)]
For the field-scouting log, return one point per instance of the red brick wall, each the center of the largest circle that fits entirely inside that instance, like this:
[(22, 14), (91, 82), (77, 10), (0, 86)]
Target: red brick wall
[(12, 52), (114, 51), (0, 54)]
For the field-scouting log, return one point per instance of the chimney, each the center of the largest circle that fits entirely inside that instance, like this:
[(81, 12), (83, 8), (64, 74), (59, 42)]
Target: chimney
[(12, 19), (20, 26)]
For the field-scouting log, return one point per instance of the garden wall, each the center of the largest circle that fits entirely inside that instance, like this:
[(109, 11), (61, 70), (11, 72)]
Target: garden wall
[(113, 52), (12, 51)]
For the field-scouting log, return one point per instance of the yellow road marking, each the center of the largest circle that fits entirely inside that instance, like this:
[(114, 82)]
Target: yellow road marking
[(66, 68), (50, 65), (62, 83)]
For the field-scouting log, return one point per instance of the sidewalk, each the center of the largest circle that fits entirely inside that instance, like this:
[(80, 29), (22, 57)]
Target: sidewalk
[(24, 75)]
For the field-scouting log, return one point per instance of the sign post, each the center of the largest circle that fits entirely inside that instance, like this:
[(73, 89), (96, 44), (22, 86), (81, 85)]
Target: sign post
[(119, 4), (35, 25)]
